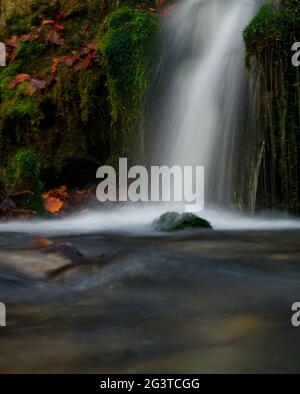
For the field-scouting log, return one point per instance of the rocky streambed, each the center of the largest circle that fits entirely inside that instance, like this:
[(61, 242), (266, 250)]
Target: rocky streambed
[(193, 301)]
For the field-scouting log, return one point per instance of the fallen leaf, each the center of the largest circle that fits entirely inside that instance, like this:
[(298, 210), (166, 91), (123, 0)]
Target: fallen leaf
[(59, 26), (87, 61), (60, 16), (12, 41), (30, 90), (48, 22), (53, 204), (54, 37), (25, 37), (86, 25), (42, 241), (93, 45), (20, 78)]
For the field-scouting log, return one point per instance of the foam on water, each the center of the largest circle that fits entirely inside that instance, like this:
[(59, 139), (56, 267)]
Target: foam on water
[(138, 219)]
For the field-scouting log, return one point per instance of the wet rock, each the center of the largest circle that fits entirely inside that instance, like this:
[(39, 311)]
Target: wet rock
[(42, 263), (173, 221), (65, 250)]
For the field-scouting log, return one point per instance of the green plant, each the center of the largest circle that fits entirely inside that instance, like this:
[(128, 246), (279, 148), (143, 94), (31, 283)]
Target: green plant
[(23, 174), (127, 40)]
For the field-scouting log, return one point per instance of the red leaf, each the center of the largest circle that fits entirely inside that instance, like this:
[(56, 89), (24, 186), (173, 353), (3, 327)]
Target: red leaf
[(48, 22), (60, 16), (42, 241), (20, 78), (93, 45), (54, 37), (59, 26), (12, 41), (25, 37), (86, 25)]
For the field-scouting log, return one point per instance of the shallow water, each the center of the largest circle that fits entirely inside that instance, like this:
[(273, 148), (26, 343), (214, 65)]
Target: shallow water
[(204, 301)]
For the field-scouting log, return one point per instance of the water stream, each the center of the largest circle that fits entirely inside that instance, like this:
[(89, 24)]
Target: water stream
[(195, 301)]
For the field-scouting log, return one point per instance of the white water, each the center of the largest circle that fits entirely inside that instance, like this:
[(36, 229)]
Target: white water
[(199, 116), (137, 219)]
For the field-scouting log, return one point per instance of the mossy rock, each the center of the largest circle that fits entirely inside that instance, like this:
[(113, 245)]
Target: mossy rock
[(173, 221), (269, 39)]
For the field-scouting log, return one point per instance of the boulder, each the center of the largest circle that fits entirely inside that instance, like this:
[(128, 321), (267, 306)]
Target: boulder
[(173, 221)]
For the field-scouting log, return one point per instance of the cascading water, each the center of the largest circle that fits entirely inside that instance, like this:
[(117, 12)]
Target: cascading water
[(200, 89)]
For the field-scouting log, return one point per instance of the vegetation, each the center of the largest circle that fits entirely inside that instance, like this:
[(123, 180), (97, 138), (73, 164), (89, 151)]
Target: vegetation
[(127, 41), (61, 95), (22, 175), (269, 39)]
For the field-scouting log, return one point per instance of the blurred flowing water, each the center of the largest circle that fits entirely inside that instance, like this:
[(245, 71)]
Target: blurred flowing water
[(204, 301), (196, 107), (193, 301)]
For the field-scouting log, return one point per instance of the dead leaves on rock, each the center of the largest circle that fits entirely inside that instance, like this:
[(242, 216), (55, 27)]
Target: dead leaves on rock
[(18, 79), (50, 31), (34, 84), (79, 60), (61, 201), (55, 199)]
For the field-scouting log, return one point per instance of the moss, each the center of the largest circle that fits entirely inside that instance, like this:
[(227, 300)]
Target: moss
[(70, 118), (274, 26), (23, 174), (20, 15), (127, 41), (269, 39), (87, 111), (173, 221)]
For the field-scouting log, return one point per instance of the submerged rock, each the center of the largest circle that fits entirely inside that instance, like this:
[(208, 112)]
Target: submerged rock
[(42, 263), (173, 221), (65, 250)]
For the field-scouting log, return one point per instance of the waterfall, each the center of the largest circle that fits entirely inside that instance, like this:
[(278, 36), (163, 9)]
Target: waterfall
[(198, 94)]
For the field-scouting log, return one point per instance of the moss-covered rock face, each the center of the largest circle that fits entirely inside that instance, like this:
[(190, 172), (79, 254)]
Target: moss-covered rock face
[(63, 98), (173, 221), (127, 41), (269, 39), (22, 174)]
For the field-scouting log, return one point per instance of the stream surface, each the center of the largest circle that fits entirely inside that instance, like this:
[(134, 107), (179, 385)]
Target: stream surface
[(191, 302)]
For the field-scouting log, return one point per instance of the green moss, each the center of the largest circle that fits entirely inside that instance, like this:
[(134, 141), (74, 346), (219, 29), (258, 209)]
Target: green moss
[(173, 221), (20, 15), (87, 111), (23, 174), (269, 39), (127, 41)]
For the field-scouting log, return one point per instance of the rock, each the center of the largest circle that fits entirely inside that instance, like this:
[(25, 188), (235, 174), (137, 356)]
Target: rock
[(65, 250), (42, 263), (173, 221), (32, 264)]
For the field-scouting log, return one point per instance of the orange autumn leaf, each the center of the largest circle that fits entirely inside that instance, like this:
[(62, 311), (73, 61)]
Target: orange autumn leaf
[(59, 26), (54, 37), (20, 78), (12, 41), (53, 204), (42, 241), (48, 22)]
